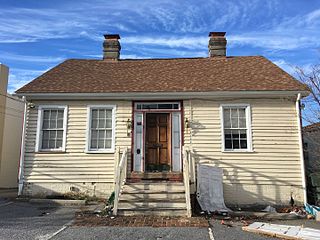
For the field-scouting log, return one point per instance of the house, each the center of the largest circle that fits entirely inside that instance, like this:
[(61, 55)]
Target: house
[(311, 141), (11, 118), (142, 125)]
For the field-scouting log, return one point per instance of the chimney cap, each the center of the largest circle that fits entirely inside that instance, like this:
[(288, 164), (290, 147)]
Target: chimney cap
[(111, 36), (217, 34)]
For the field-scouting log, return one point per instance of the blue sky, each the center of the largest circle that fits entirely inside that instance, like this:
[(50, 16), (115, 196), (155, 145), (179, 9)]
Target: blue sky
[(37, 35)]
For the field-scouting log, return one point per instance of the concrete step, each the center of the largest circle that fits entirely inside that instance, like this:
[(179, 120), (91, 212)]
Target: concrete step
[(167, 187), (154, 211), (151, 196), (151, 204)]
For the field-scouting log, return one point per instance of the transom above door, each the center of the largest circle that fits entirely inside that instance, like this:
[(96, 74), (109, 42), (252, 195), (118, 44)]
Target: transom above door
[(157, 137)]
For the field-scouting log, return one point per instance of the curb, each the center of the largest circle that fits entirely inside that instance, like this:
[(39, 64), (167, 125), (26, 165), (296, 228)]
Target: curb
[(59, 202)]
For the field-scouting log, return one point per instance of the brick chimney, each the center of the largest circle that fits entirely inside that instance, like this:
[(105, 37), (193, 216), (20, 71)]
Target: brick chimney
[(111, 47), (217, 44)]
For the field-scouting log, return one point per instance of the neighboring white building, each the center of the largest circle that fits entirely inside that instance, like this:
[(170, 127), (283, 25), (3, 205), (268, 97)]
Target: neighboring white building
[(11, 120)]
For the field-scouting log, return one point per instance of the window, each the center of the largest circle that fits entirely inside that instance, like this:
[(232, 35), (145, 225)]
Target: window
[(51, 132), (236, 128), (101, 129), (157, 106)]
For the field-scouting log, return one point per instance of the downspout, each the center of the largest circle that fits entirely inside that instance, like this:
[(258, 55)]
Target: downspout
[(22, 150), (302, 165)]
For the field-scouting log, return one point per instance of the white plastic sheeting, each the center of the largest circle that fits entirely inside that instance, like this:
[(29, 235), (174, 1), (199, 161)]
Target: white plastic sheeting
[(210, 189), (283, 231)]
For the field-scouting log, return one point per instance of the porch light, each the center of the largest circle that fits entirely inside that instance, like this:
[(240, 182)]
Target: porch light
[(129, 126), (187, 123)]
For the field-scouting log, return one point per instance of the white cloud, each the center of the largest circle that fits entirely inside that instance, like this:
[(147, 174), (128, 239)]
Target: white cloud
[(172, 42), (29, 58)]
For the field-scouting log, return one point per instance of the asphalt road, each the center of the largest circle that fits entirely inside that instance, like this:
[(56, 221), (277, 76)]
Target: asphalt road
[(22, 220)]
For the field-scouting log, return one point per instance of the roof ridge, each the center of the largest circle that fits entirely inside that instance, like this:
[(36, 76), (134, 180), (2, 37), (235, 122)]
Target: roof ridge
[(162, 59)]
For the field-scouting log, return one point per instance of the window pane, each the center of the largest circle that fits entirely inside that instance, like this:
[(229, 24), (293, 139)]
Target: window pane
[(101, 135), (60, 114), (101, 144), (235, 134), (243, 144), (228, 144), (236, 144), (243, 134), (54, 114), (242, 112), (108, 143), (45, 144), (109, 133), (59, 134), (109, 123), (234, 123), (102, 123), (52, 144), (94, 134), (94, 114), (234, 113), (102, 113), (60, 123), (53, 124), (52, 134), (242, 123), (59, 144), (227, 134), (109, 113), (93, 143), (45, 134), (94, 123), (226, 118), (46, 114), (45, 124)]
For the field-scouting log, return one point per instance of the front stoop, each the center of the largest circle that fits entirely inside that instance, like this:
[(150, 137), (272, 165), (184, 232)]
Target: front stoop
[(153, 198)]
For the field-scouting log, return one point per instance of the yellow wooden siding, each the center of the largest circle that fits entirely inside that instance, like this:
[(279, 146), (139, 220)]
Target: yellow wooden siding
[(275, 159), (75, 165)]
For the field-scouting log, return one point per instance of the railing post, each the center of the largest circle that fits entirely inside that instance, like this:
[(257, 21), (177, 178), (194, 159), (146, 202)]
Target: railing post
[(121, 174), (186, 179)]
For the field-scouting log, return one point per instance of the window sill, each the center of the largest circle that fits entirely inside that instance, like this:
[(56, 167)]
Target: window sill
[(50, 151), (237, 151), (102, 151)]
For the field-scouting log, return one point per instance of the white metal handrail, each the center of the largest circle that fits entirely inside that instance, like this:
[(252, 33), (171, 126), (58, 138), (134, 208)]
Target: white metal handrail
[(121, 176), (186, 178)]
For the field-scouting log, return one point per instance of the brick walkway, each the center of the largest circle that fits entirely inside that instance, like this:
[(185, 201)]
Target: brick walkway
[(139, 221)]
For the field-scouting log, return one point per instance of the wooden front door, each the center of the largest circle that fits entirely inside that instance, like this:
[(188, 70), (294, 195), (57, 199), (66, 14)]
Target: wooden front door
[(158, 142)]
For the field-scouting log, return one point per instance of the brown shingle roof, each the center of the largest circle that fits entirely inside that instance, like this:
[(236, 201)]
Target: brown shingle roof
[(164, 75)]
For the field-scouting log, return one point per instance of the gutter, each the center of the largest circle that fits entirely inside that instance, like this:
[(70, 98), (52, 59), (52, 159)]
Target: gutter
[(22, 150), (161, 95), (302, 164)]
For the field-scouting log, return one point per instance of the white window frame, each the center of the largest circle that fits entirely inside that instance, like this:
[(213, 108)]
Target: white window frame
[(248, 124), (41, 108), (113, 122)]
